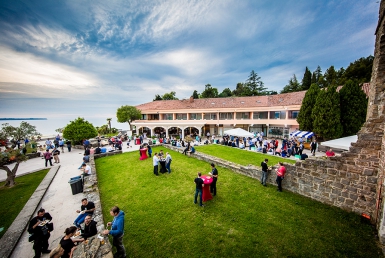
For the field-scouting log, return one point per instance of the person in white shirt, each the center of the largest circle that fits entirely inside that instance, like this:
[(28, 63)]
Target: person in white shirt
[(155, 162), (168, 162), (86, 170)]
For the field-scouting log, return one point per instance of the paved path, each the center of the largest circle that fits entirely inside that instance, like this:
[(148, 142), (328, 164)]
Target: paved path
[(58, 200)]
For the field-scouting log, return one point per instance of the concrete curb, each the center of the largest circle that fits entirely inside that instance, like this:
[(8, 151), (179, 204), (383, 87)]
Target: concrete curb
[(10, 239)]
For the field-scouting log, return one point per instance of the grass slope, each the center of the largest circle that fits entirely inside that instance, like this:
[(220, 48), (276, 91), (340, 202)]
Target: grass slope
[(243, 220), (13, 199), (239, 156)]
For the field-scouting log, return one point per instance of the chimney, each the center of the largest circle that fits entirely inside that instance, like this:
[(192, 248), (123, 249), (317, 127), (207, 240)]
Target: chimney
[(191, 99)]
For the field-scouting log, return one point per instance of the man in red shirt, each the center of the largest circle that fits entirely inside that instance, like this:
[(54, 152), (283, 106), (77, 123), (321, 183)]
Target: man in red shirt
[(330, 153), (281, 171)]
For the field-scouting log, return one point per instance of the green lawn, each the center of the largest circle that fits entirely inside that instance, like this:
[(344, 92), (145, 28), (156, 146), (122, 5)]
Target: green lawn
[(243, 157), (13, 199), (243, 220)]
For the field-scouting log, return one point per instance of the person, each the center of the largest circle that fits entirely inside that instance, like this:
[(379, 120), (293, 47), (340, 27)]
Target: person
[(98, 150), (117, 231), (214, 174), (47, 157), (155, 162), (57, 252), (89, 228), (87, 208), (313, 147), (198, 189), (86, 159), (281, 171), (56, 154), (264, 171), (330, 153), (68, 142), (86, 144), (40, 233), (87, 151), (186, 149), (168, 162), (160, 154), (48, 142), (192, 150), (149, 150), (301, 147), (68, 243), (61, 145)]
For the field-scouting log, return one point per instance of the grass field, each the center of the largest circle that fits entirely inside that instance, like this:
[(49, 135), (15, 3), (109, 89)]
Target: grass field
[(239, 156), (243, 220), (13, 199)]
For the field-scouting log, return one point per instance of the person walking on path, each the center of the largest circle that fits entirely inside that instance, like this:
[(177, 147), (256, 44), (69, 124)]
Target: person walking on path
[(264, 171), (313, 147), (56, 154), (168, 162), (47, 157), (214, 174), (40, 233), (281, 171), (68, 142), (117, 231), (198, 189)]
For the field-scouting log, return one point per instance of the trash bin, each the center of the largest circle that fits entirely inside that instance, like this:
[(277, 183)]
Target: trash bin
[(76, 185)]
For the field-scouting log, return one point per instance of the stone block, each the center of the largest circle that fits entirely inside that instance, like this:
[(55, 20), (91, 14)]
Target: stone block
[(345, 181), (371, 180), (337, 185), (345, 194), (349, 202), (336, 191), (332, 171)]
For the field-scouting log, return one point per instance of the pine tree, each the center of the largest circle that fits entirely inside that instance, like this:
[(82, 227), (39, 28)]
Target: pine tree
[(293, 85), (305, 119), (195, 94), (255, 84), (353, 107), (327, 114), (306, 80)]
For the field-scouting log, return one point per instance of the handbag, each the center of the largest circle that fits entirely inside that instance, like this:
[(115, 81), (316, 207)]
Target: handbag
[(31, 237), (50, 227)]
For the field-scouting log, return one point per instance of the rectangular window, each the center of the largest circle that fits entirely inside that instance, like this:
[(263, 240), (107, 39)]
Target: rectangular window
[(243, 115), (225, 116), (293, 114), (181, 116), (144, 117), (210, 116), (195, 116), (167, 117)]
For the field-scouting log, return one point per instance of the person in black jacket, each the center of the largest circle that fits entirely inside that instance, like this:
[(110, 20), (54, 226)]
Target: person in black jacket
[(264, 172), (89, 227), (40, 232)]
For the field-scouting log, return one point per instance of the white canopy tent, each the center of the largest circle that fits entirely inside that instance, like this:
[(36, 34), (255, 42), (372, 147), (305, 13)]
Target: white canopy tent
[(239, 132), (341, 143)]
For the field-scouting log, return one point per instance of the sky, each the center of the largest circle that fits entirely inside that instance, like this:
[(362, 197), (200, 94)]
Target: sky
[(85, 58)]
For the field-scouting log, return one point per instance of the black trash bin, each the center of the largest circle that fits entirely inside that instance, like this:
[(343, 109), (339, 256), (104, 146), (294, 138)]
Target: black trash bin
[(76, 185)]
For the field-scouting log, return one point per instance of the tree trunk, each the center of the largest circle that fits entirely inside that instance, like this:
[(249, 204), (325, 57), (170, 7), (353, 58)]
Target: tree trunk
[(129, 125), (11, 174)]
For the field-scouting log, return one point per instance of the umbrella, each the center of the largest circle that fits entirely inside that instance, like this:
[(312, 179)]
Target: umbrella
[(239, 132), (301, 134)]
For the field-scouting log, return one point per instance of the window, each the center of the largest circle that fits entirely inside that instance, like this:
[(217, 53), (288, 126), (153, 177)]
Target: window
[(260, 115), (293, 114), (225, 116), (144, 117), (210, 116), (243, 115), (181, 116), (167, 117), (195, 116)]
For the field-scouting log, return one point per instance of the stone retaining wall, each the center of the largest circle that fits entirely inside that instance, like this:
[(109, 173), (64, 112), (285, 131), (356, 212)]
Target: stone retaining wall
[(91, 191)]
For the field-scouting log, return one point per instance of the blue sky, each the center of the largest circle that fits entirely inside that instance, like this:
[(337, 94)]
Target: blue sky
[(64, 59)]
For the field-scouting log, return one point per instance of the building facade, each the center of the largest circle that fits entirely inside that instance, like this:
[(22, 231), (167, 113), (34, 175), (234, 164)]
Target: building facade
[(275, 115)]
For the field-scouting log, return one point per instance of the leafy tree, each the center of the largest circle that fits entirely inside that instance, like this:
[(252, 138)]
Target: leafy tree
[(353, 107), (78, 130), (59, 130), (327, 114), (255, 85), (330, 76), (13, 156), (128, 114), (360, 71), (157, 97), (169, 96), (103, 129), (293, 85), (25, 130), (305, 119), (195, 94), (306, 80), (270, 92), (225, 93), (209, 92), (241, 90)]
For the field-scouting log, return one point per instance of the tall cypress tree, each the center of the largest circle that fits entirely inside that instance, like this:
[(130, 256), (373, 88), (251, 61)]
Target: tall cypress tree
[(306, 80), (327, 114), (354, 105), (305, 119)]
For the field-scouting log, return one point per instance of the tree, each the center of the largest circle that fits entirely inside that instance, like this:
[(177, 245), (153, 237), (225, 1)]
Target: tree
[(128, 114), (360, 71), (109, 124), (306, 80), (209, 92), (157, 97), (13, 156), (305, 119), (103, 129), (225, 93), (293, 85), (195, 94), (25, 130), (79, 130), (169, 96), (241, 90), (255, 85), (316, 75), (327, 114), (59, 130), (330, 76), (353, 108)]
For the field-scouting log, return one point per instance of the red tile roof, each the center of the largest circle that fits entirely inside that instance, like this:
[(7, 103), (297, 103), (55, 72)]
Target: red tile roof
[(286, 99)]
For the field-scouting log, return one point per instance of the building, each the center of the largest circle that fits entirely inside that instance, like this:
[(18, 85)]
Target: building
[(275, 115)]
